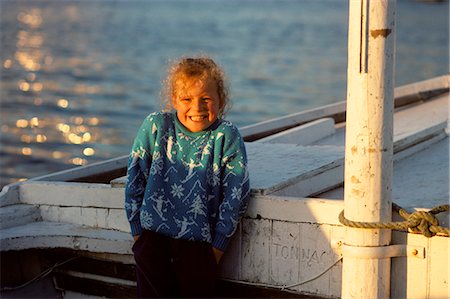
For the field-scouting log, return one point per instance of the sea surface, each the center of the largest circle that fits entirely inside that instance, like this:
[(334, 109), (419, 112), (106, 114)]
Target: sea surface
[(78, 77)]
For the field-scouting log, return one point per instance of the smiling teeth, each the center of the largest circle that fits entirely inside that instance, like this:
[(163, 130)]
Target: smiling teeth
[(197, 118)]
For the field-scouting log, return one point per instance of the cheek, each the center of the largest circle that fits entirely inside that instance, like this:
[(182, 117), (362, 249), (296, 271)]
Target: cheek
[(215, 108), (179, 106)]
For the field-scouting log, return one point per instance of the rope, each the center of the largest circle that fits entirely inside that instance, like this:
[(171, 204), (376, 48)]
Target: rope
[(40, 276), (285, 287), (417, 222)]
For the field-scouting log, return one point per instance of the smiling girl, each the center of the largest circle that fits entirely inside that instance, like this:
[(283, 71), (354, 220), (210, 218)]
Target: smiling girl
[(187, 184)]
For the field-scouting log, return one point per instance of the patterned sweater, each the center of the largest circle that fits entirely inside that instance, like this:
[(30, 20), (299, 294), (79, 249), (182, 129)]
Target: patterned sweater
[(186, 185)]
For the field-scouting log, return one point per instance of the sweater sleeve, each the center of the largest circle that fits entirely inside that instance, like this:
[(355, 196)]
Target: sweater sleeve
[(139, 164), (236, 189)]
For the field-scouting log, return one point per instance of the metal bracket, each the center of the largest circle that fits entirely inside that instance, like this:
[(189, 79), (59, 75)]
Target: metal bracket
[(378, 252)]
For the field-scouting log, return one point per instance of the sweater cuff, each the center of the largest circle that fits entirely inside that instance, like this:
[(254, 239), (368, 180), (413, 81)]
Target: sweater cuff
[(136, 228), (220, 241)]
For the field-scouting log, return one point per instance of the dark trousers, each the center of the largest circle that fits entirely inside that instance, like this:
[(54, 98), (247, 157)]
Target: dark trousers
[(170, 268)]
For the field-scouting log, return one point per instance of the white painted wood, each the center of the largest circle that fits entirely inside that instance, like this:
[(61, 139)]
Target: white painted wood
[(291, 253), (421, 172), (315, 184), (336, 233), (293, 209), (421, 278), (417, 117), (9, 195), (419, 145), (293, 119), (409, 275), (262, 251), (422, 88), (86, 170), (101, 278), (315, 257), (369, 142), (71, 194), (117, 220), (285, 253), (409, 139), (265, 253), (274, 167), (94, 217), (305, 134), (255, 255), (438, 268), (422, 180), (65, 235), (19, 214)]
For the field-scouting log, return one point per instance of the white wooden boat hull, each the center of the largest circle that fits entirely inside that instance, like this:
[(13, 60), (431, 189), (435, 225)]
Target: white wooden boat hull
[(291, 232)]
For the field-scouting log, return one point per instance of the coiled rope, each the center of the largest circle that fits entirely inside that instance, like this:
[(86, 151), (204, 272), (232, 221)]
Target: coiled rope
[(417, 222)]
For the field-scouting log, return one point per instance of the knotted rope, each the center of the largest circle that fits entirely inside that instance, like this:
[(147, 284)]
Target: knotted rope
[(417, 222)]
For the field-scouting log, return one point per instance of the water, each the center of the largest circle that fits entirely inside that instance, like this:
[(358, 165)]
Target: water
[(78, 77)]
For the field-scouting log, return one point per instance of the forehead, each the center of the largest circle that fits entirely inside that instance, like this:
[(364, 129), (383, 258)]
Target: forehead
[(187, 85)]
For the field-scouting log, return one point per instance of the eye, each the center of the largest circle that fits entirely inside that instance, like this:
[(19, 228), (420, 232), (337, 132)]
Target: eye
[(186, 100), (206, 99)]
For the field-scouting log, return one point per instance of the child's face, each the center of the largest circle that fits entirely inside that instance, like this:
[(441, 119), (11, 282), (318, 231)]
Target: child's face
[(198, 106)]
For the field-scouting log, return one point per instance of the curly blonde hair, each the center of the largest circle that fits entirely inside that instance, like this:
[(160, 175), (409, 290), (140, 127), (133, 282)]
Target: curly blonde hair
[(181, 72)]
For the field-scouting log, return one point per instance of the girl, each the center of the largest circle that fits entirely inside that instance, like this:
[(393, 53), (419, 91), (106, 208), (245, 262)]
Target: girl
[(187, 184)]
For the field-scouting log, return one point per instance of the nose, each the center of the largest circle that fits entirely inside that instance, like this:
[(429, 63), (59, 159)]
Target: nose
[(199, 104)]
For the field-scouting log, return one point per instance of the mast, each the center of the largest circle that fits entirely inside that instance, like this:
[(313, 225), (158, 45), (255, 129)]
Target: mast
[(369, 143)]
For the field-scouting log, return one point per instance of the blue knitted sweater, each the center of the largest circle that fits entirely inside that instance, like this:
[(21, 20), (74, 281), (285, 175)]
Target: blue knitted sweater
[(186, 185)]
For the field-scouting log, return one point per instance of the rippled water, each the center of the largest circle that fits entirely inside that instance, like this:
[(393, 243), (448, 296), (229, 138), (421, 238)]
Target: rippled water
[(78, 77)]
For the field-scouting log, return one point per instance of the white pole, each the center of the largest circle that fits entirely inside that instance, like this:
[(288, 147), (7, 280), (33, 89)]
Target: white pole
[(369, 142)]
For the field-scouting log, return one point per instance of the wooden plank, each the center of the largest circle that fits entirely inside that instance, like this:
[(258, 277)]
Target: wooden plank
[(19, 214), (438, 268), (316, 255), (273, 167), (285, 253), (419, 91), (276, 166), (417, 117), (409, 275), (316, 184), (293, 209), (65, 235), (305, 134), (71, 194), (409, 139), (272, 126), (117, 220), (86, 170), (422, 180), (255, 254), (93, 217), (337, 233), (9, 195)]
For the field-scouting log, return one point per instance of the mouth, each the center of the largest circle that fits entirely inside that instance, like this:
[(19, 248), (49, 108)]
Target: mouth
[(198, 117)]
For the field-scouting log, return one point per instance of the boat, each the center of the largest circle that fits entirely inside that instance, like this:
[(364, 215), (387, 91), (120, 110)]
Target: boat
[(66, 235), (71, 224)]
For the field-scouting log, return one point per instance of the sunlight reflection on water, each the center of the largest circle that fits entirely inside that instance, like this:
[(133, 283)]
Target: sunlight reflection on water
[(78, 77)]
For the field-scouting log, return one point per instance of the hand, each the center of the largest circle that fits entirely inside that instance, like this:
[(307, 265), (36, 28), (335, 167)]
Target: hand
[(136, 237), (217, 254)]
